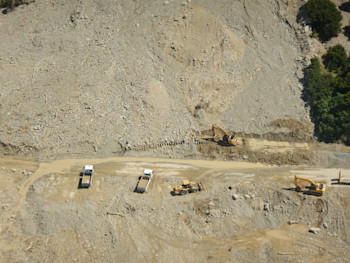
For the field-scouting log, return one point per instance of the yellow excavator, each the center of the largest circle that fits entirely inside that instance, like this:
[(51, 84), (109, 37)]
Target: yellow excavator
[(314, 188), (225, 137)]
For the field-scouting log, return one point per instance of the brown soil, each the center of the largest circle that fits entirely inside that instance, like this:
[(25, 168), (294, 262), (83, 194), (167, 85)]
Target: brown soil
[(247, 211), (133, 81)]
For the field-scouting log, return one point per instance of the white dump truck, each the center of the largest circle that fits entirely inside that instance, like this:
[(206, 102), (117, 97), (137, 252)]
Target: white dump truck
[(86, 179), (144, 181)]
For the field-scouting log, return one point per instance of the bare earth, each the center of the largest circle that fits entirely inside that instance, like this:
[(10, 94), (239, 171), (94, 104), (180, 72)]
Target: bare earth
[(47, 218), (130, 85)]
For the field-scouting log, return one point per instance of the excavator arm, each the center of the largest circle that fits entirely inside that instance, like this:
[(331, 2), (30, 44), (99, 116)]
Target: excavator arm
[(221, 134), (296, 178), (217, 131)]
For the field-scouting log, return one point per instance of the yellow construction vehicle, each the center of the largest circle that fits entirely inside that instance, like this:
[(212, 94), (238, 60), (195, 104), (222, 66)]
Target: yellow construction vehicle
[(314, 188), (224, 137), (187, 187)]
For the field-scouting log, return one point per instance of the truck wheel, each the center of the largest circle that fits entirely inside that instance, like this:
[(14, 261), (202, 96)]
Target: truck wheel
[(183, 192)]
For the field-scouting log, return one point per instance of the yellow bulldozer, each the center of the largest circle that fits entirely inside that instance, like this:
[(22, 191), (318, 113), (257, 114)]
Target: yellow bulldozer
[(187, 187), (313, 188), (224, 137)]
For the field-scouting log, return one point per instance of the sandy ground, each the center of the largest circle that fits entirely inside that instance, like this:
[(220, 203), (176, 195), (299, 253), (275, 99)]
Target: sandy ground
[(46, 217), (146, 79)]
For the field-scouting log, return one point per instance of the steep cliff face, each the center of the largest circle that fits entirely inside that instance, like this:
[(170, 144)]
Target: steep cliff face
[(93, 78)]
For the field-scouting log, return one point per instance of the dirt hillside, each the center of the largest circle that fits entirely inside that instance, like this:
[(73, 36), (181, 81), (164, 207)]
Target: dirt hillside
[(91, 78), (122, 83)]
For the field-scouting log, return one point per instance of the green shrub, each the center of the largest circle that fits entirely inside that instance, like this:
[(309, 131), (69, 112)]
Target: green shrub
[(319, 85), (7, 3), (329, 98), (335, 59), (325, 18), (10, 4)]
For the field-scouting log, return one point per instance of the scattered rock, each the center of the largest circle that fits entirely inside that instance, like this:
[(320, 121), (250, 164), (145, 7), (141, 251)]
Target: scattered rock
[(247, 196), (215, 213), (13, 170), (267, 207), (314, 230), (235, 197), (292, 222), (285, 253), (325, 225)]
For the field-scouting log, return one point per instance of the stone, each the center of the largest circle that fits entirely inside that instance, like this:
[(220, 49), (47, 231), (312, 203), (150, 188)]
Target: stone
[(235, 197), (215, 213), (314, 230), (267, 207)]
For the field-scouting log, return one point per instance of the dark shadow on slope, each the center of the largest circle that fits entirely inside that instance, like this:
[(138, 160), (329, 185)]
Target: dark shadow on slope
[(347, 31), (303, 16), (345, 7)]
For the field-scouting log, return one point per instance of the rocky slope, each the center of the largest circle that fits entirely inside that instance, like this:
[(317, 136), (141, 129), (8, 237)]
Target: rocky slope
[(93, 78)]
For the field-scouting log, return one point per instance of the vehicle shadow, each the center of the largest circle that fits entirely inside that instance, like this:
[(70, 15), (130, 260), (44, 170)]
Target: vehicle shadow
[(305, 192), (80, 181), (137, 183)]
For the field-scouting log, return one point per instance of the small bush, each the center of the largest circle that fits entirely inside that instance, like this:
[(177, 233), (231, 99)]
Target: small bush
[(10, 4), (7, 3), (335, 59), (319, 85), (325, 18), (329, 98)]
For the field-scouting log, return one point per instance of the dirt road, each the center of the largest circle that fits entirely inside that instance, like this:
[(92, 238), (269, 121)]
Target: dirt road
[(241, 216)]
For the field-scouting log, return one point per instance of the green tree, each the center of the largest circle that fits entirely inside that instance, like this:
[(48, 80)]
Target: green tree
[(325, 18), (10, 4), (7, 3), (335, 59), (319, 85), (329, 98)]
